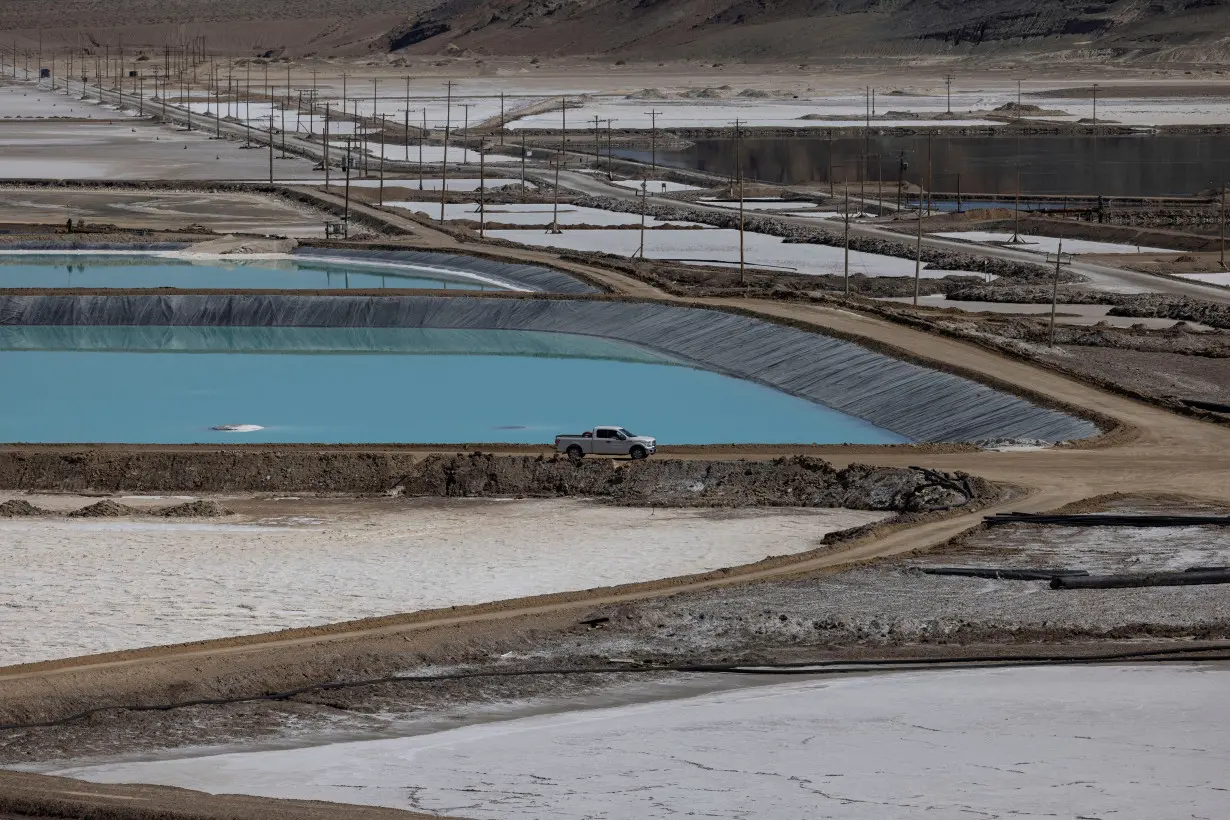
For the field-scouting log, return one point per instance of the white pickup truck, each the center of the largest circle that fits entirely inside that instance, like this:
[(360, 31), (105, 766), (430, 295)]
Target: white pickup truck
[(607, 441)]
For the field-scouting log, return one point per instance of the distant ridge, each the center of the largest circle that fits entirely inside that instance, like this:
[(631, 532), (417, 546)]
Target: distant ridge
[(818, 31)]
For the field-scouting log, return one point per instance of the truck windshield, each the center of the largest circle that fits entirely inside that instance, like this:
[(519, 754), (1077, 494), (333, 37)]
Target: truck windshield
[(627, 432)]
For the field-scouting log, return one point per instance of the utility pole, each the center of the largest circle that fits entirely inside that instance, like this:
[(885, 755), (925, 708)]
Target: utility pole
[(929, 189), (563, 127), (1222, 226), (901, 166), (407, 122), (948, 78), (346, 167), (739, 172), (597, 145), (644, 197), (918, 252), (523, 155), (422, 139), (326, 146), (271, 147), (563, 146), (653, 140), (847, 242), (830, 137), (1016, 213), (448, 120), (501, 119), (610, 154), (383, 126), (1055, 292), (482, 191)]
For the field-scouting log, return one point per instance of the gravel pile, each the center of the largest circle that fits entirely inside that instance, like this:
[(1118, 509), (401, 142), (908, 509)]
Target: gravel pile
[(18, 508), (201, 508), (104, 509)]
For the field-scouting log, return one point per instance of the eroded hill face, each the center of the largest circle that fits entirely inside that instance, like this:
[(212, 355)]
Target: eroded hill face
[(758, 30)]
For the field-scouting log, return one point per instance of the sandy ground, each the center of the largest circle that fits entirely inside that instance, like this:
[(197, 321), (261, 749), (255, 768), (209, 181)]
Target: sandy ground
[(83, 586), (1030, 742), (167, 210), (1154, 373)]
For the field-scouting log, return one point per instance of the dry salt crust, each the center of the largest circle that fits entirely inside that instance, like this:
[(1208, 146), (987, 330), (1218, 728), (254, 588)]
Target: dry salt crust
[(30, 102), (657, 185), (1132, 742), (431, 153), (1221, 278), (721, 246), (534, 214), (75, 586), (1047, 244), (438, 110), (434, 185), (679, 114), (296, 122)]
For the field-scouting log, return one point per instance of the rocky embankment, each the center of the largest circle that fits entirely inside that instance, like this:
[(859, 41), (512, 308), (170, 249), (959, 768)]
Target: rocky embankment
[(1138, 305), (795, 481)]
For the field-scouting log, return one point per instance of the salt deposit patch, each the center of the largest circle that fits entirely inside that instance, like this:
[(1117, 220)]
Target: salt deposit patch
[(1132, 742), (532, 214), (72, 588), (1047, 244), (1220, 278), (657, 185), (721, 246)]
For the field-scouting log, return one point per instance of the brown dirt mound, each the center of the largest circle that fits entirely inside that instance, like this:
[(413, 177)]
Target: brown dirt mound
[(795, 481), (104, 509), (18, 508), (201, 508)]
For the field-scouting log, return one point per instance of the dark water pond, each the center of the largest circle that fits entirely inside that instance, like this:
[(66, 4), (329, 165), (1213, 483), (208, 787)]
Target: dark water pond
[(1140, 165)]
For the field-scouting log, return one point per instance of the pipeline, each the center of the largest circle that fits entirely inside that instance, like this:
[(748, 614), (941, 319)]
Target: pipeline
[(1197, 577), (1184, 654), (1108, 520), (996, 574)]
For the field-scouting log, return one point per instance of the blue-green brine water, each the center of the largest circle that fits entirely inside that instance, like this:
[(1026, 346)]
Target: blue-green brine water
[(172, 385)]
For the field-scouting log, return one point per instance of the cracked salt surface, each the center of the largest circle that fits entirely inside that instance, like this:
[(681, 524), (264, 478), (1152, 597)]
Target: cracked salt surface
[(73, 587), (1123, 741)]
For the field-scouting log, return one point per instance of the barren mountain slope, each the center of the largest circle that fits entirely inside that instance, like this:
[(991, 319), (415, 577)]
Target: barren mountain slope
[(763, 30)]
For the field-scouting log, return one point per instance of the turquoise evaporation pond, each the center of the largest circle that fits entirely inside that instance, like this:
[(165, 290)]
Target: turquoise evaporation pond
[(170, 385), (150, 271)]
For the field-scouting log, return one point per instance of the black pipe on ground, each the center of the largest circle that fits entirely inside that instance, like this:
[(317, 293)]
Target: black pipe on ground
[(1109, 520), (1142, 579), (996, 574)]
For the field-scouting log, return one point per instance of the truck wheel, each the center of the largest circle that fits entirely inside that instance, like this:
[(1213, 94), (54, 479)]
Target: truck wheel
[(575, 452), (638, 452)]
